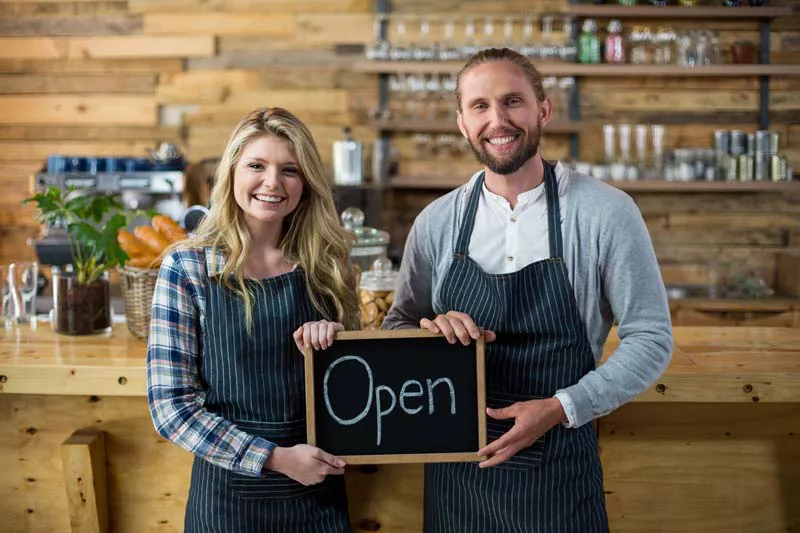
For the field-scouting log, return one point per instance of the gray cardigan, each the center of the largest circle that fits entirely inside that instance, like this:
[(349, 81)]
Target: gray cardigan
[(613, 271)]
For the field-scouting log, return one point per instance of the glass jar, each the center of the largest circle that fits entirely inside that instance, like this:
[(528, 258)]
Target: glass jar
[(589, 43), (615, 47), (376, 293), (371, 243), (640, 45), (81, 308)]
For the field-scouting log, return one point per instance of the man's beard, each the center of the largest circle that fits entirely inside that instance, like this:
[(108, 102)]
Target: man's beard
[(512, 162)]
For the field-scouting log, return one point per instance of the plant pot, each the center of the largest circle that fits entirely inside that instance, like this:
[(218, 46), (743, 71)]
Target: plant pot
[(81, 309), (743, 53)]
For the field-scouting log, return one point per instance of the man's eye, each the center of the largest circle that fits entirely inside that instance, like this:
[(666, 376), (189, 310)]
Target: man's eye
[(479, 106), (514, 101)]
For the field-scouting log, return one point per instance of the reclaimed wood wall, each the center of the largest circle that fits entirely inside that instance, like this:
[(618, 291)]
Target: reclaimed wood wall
[(85, 77)]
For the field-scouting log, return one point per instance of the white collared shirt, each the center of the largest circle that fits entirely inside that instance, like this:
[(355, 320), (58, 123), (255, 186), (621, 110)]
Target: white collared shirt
[(505, 240)]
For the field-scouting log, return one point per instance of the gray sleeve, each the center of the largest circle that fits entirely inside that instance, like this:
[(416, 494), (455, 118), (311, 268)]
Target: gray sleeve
[(413, 294), (631, 283)]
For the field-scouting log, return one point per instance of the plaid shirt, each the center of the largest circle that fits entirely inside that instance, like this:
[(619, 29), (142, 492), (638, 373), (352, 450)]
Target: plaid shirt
[(174, 389)]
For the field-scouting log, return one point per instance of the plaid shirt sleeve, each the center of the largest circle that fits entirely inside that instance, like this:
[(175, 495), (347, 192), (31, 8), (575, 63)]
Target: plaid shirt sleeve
[(174, 389)]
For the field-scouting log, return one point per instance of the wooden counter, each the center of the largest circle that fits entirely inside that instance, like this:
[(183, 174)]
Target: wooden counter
[(709, 364), (729, 462)]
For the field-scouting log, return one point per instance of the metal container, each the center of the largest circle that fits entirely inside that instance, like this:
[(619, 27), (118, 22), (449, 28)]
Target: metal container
[(731, 166), (722, 141), (738, 143), (761, 163), (778, 168), (347, 161), (746, 170), (763, 142)]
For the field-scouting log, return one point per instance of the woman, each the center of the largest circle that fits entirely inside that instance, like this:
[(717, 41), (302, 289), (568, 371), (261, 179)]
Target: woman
[(266, 269)]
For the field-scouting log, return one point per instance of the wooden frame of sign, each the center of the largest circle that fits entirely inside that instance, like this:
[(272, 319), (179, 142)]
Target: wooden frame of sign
[(412, 457)]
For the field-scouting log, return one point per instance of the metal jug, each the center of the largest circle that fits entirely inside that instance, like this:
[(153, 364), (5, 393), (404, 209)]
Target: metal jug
[(347, 161)]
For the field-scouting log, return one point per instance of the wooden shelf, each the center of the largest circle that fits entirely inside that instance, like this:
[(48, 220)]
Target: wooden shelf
[(446, 126), (436, 183), (677, 12), (578, 69)]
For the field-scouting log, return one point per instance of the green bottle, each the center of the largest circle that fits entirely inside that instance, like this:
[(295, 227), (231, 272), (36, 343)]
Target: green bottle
[(589, 43)]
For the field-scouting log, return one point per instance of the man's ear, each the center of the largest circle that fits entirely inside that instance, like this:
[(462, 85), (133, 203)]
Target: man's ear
[(461, 128), (545, 111)]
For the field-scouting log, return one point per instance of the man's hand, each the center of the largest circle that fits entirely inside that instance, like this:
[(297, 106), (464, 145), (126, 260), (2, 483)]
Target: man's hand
[(456, 326), (532, 419)]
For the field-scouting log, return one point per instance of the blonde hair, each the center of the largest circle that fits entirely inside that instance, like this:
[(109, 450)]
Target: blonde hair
[(312, 236), (490, 55)]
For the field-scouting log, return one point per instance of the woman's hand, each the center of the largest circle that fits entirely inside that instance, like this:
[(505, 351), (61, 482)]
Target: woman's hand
[(317, 334), (456, 326), (305, 464)]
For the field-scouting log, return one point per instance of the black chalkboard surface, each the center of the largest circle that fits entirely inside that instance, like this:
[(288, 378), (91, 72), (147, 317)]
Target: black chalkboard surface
[(398, 396)]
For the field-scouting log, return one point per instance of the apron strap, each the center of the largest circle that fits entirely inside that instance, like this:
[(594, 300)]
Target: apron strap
[(553, 211), (468, 222)]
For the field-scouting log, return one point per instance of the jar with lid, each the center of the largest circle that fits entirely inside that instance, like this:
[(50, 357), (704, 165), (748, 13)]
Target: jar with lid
[(615, 48), (371, 243), (376, 293), (640, 44), (589, 43)]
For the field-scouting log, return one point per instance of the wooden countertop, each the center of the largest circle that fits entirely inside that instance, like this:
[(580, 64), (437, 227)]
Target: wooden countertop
[(709, 364)]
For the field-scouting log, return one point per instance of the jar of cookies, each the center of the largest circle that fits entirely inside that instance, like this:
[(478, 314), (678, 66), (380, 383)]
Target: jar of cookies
[(376, 293)]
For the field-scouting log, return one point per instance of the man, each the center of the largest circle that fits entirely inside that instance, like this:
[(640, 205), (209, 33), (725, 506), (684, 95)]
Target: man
[(545, 259)]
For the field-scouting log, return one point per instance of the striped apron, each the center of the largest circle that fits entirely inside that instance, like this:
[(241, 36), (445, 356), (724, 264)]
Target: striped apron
[(257, 382), (556, 484)]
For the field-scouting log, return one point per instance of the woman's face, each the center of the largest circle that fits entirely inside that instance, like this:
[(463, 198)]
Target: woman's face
[(267, 183)]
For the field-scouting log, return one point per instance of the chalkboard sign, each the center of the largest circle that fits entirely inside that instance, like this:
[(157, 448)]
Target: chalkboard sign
[(403, 396)]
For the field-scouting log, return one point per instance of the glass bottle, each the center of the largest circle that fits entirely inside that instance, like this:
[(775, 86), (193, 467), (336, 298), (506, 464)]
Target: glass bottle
[(615, 48), (589, 43)]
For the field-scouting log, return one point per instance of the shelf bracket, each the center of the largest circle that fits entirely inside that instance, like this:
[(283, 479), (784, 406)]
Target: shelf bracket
[(763, 81)]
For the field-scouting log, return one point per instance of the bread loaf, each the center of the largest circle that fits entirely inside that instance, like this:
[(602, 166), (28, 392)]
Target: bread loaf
[(132, 246), (167, 227), (154, 240)]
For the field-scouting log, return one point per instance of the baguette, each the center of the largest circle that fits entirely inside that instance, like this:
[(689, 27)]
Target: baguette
[(154, 240), (132, 246), (145, 261), (167, 227)]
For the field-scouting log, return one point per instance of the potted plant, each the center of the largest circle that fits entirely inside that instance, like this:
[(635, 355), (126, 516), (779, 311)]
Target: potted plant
[(82, 297)]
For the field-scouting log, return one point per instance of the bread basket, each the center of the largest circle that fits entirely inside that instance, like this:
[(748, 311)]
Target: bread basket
[(138, 285)]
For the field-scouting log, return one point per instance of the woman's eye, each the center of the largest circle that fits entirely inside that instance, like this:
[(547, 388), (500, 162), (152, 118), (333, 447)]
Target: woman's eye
[(290, 170), (256, 166)]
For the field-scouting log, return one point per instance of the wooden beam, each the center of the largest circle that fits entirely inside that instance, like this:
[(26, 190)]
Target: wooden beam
[(72, 110), (89, 66), (249, 6), (24, 132), (84, 458), (274, 25), (50, 26), (39, 150), (106, 47), (79, 84)]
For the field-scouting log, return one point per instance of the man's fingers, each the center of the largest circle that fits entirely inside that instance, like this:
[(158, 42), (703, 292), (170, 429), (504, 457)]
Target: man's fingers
[(467, 322), (461, 331), (489, 336), (492, 448), (503, 413), (446, 329), (497, 459), (426, 323)]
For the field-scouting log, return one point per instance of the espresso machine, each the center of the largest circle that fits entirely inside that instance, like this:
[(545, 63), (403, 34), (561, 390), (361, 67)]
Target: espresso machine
[(156, 183)]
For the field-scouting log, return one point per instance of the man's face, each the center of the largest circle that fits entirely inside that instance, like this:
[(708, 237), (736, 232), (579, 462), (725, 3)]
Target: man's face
[(500, 116)]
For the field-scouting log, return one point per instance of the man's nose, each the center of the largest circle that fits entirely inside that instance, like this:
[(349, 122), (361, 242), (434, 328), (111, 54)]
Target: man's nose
[(498, 115)]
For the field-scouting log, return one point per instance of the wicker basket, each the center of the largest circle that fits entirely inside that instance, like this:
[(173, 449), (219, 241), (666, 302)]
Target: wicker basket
[(138, 285)]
